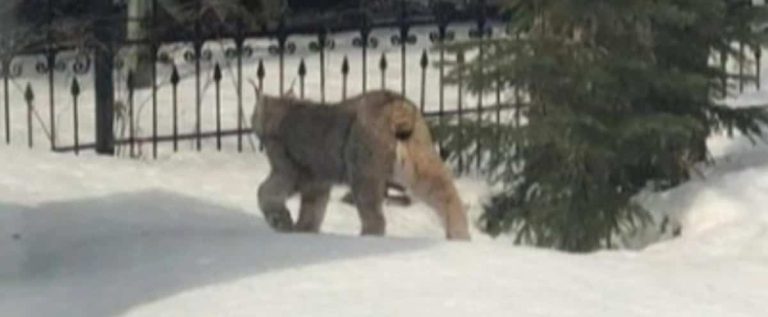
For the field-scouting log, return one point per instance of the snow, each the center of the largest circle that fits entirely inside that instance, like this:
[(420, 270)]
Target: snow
[(183, 236)]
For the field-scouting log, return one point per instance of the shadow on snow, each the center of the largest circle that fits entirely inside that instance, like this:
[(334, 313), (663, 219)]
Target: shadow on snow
[(104, 256)]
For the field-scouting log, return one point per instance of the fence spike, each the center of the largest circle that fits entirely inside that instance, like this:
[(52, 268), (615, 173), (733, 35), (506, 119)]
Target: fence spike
[(260, 73), (29, 95), (345, 66), (75, 89), (383, 61), (424, 59), (129, 80), (175, 76), (217, 72), (302, 68)]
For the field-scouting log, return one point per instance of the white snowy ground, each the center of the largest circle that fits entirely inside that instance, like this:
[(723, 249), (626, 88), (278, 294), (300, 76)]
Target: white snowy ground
[(182, 236)]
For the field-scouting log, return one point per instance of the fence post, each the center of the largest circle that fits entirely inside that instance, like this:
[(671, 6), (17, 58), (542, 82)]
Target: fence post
[(103, 81)]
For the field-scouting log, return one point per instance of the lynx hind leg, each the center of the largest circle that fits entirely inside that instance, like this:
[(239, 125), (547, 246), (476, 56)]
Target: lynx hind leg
[(368, 192), (273, 193), (314, 200), (420, 169)]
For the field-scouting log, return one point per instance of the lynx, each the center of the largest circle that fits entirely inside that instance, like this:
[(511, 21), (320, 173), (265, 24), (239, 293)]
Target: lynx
[(367, 141)]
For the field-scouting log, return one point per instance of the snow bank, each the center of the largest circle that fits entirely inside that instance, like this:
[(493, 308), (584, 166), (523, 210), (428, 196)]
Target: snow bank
[(96, 236)]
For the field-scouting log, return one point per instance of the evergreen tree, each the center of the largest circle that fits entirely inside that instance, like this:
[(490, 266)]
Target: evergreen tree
[(620, 97)]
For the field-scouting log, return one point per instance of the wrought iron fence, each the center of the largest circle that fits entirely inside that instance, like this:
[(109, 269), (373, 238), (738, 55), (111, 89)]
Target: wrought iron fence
[(101, 53)]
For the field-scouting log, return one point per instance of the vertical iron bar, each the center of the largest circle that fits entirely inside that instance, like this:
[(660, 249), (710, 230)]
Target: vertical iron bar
[(364, 37), (239, 41), (198, 101), (174, 87), (403, 43), (260, 73), (6, 97), (51, 56), (154, 49), (365, 62), (154, 102), (460, 61), (423, 63), (758, 65), (281, 49), (131, 130), (29, 96), (322, 40), (441, 33), (198, 98), (217, 82), (344, 73), (51, 59), (75, 94), (441, 95), (302, 74), (383, 69), (402, 69)]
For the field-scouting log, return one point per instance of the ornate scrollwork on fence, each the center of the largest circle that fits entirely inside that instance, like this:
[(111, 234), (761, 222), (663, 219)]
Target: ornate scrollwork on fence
[(11, 69), (82, 64), (315, 46), (288, 47), (373, 42)]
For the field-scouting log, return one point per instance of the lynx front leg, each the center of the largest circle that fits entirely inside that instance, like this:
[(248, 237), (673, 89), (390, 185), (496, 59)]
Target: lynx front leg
[(314, 200), (272, 196)]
